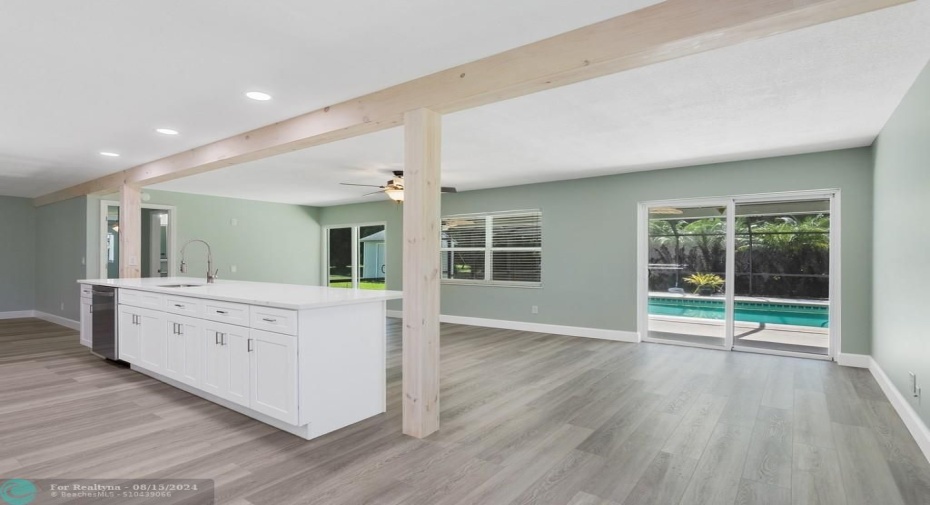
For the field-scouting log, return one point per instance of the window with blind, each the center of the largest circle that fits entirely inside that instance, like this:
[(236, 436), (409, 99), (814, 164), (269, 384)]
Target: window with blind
[(502, 248)]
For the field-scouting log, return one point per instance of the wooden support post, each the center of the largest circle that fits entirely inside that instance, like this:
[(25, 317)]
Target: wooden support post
[(130, 231), (422, 129)]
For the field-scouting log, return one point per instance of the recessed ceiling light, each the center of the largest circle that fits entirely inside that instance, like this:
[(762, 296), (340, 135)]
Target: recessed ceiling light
[(258, 95), (108, 153), (166, 131)]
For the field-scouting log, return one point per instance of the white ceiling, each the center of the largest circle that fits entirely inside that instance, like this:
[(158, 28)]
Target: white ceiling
[(101, 75), (79, 77), (827, 87)]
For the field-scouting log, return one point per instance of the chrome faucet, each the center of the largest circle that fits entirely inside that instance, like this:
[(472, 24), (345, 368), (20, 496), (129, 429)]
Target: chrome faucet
[(211, 274)]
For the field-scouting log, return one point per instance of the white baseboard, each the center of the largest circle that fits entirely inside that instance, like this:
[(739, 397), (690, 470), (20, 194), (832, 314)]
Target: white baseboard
[(555, 329), (854, 360), (18, 314), (911, 419), (67, 323)]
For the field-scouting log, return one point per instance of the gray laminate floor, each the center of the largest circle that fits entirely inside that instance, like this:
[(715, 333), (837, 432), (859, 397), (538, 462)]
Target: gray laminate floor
[(526, 418)]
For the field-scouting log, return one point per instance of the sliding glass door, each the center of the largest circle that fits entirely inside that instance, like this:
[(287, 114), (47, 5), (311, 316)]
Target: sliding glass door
[(782, 279), (748, 273), (356, 256), (687, 273)]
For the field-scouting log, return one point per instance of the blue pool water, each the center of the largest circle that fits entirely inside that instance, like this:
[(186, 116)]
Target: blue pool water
[(755, 312)]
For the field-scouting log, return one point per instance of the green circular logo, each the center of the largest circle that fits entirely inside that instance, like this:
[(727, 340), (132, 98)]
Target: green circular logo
[(18, 492)]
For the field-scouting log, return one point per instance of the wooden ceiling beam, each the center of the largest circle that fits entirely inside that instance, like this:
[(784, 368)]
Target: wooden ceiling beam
[(662, 32)]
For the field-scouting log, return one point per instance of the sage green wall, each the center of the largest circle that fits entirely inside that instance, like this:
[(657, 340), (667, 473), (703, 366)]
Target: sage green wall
[(901, 341), (60, 253), (17, 254), (271, 242), (589, 236)]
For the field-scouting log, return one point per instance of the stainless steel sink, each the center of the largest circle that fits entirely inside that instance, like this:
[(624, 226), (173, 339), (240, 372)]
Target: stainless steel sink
[(179, 285)]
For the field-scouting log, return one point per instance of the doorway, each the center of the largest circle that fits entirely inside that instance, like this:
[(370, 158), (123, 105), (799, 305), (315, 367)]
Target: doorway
[(158, 240), (751, 273), (356, 256)]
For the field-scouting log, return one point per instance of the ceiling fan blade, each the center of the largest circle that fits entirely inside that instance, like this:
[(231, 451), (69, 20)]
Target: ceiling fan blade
[(448, 189), (364, 185), (374, 192)]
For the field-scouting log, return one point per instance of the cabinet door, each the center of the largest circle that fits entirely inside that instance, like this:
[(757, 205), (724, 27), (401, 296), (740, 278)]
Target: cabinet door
[(86, 322), (129, 334), (153, 340), (214, 361), (183, 355), (193, 340), (273, 367), (236, 340), (175, 354)]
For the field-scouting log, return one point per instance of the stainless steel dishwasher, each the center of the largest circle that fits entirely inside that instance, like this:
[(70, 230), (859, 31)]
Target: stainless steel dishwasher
[(104, 342)]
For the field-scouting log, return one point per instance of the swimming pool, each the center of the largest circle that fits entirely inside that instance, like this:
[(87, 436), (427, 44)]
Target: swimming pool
[(816, 316)]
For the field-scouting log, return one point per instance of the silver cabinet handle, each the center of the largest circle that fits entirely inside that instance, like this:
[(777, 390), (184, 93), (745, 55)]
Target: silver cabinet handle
[(269, 320), (249, 345), (222, 312), (180, 329), (222, 339), (178, 305)]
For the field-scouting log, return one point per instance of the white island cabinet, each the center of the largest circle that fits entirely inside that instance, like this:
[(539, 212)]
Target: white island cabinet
[(305, 359)]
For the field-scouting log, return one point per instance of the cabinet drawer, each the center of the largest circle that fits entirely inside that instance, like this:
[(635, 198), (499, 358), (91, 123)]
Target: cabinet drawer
[(185, 306), (272, 319), (226, 312), (142, 299), (87, 291)]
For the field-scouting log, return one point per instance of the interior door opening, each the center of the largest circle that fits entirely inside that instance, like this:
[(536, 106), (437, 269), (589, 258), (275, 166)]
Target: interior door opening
[(157, 256), (744, 273)]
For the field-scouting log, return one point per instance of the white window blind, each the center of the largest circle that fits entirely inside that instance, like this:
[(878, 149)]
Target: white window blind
[(497, 248)]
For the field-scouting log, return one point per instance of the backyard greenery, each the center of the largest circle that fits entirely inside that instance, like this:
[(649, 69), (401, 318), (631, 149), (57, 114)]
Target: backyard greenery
[(701, 282), (784, 256), (361, 284)]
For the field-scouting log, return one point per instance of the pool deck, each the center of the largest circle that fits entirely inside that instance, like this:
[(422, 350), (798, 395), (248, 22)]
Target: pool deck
[(761, 335)]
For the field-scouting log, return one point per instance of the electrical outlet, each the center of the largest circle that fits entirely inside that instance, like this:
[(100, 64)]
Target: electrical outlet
[(534, 309), (233, 268)]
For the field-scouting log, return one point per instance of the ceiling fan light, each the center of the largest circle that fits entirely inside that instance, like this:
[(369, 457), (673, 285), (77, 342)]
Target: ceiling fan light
[(395, 194)]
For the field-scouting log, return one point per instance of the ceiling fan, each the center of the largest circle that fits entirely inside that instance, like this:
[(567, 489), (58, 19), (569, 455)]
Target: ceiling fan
[(393, 188)]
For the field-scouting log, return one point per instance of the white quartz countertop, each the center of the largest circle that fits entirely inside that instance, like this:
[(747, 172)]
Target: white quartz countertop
[(285, 296)]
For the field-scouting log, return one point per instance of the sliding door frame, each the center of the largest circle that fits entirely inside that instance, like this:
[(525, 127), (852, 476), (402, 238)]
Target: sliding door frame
[(355, 227), (835, 283)]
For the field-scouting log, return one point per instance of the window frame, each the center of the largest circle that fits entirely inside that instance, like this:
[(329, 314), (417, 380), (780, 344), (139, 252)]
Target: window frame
[(489, 249)]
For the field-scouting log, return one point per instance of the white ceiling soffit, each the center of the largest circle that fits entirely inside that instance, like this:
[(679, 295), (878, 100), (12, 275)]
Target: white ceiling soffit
[(98, 75), (826, 87)]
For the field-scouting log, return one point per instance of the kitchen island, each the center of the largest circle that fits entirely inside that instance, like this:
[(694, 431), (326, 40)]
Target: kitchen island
[(305, 359)]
